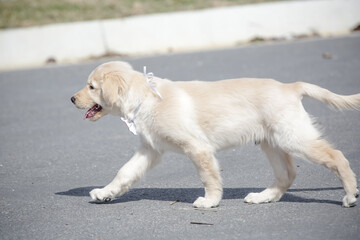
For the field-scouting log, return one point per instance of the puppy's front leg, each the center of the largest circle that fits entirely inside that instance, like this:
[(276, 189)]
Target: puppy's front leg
[(132, 171), (208, 170)]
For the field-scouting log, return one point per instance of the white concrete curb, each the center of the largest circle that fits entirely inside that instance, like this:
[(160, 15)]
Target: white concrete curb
[(160, 33)]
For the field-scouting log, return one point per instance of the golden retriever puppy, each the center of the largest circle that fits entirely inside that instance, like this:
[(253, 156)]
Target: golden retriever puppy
[(199, 118)]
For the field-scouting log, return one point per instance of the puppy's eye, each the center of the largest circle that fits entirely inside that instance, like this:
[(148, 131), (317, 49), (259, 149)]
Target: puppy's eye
[(91, 87)]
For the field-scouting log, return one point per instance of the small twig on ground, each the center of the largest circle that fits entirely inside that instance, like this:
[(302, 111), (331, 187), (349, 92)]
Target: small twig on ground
[(201, 223), (172, 203)]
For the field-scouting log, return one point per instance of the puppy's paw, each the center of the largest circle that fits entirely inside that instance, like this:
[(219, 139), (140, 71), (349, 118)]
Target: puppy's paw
[(349, 201), (202, 202), (262, 197), (102, 195), (254, 198)]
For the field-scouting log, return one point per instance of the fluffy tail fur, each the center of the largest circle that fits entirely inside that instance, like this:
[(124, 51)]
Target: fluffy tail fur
[(335, 101)]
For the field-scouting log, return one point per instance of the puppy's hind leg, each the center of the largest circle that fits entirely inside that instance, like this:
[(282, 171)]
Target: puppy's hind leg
[(133, 170), (284, 171), (320, 152), (208, 170)]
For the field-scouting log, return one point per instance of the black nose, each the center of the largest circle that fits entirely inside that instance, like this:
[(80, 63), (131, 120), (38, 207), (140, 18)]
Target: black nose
[(73, 100)]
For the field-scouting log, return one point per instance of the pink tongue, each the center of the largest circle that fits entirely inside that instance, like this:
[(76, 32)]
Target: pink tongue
[(92, 111)]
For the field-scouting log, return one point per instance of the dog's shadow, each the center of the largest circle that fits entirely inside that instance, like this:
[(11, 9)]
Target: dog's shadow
[(189, 195)]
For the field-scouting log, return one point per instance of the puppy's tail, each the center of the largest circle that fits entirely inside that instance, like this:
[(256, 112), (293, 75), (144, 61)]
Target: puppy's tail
[(335, 101)]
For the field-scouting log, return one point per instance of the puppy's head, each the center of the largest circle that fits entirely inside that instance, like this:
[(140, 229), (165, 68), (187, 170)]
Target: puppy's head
[(105, 86)]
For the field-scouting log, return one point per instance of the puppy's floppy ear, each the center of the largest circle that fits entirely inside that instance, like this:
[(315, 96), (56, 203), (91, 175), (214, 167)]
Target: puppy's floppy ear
[(112, 86)]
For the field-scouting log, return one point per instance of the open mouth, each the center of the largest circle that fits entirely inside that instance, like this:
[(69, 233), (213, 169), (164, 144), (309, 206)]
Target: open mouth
[(93, 111)]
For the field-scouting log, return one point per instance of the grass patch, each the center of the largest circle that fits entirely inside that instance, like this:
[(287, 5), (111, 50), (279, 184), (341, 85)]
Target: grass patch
[(25, 13)]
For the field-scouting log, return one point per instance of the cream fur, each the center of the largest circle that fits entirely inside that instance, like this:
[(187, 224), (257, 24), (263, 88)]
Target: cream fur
[(199, 118)]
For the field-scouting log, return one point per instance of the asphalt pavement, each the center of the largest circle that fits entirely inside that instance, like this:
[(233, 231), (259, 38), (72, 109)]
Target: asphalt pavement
[(50, 158)]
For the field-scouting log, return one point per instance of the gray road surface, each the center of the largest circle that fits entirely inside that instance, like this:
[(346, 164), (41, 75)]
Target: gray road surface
[(50, 158)]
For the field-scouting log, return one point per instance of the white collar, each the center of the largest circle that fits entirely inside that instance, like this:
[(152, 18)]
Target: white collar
[(149, 77), (130, 123)]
